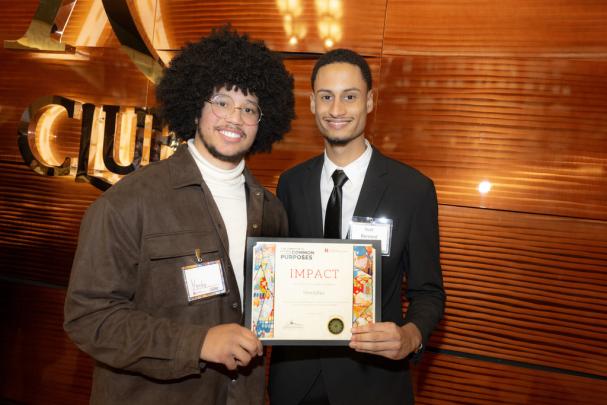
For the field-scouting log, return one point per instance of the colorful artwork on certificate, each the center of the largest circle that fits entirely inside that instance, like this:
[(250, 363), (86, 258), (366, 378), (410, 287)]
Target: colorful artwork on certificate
[(363, 307), (262, 312)]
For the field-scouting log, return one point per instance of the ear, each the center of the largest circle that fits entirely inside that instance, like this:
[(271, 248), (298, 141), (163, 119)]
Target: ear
[(370, 95), (312, 103)]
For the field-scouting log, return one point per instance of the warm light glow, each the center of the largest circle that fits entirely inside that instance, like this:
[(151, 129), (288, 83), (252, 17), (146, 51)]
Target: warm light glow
[(44, 134), (329, 14), (484, 187), (125, 136), (96, 165), (291, 10), (149, 15), (93, 25), (79, 55), (291, 7), (147, 140)]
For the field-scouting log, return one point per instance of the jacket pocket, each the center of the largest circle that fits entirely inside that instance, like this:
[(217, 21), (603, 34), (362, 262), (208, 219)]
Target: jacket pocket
[(166, 256)]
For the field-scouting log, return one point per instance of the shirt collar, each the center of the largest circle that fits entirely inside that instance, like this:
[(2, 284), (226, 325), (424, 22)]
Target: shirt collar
[(355, 170)]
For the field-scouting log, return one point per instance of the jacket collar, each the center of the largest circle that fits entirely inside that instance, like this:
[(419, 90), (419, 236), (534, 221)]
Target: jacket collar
[(312, 195), (185, 172), (183, 169), (374, 186)]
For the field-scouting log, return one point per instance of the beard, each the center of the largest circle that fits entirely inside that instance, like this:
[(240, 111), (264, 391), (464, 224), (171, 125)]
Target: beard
[(236, 158), (337, 142)]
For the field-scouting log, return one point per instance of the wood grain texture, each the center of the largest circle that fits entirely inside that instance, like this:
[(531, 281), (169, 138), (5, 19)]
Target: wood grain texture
[(359, 23), (94, 75), (511, 27), (442, 379), (535, 128), (16, 17), (40, 365), (39, 223), (88, 26), (513, 92), (528, 288)]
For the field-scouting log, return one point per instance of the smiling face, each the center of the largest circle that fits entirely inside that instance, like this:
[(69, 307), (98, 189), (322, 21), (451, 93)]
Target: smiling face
[(340, 103), (225, 141)]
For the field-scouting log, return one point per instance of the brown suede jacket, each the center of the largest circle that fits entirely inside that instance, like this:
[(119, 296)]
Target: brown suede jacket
[(127, 305)]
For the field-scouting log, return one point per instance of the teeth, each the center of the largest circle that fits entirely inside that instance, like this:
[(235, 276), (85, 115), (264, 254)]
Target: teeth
[(230, 134)]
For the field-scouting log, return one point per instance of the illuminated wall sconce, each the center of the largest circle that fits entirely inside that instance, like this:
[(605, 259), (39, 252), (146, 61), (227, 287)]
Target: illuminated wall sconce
[(329, 13), (484, 187), (291, 11)]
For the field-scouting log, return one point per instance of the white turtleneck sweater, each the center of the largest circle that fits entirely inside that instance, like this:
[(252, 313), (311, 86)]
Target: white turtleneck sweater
[(228, 190)]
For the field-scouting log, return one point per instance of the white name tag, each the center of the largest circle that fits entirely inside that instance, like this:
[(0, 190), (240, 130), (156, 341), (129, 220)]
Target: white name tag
[(204, 279), (372, 229)]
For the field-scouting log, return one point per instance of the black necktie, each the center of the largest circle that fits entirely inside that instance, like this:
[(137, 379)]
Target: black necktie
[(333, 213)]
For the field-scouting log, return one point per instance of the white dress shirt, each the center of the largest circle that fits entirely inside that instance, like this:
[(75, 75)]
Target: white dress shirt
[(355, 171)]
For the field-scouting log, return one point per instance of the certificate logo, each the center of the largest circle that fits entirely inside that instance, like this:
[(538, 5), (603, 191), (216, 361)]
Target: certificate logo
[(335, 326)]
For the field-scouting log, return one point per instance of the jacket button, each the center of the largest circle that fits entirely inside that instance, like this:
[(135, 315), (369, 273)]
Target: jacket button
[(258, 193), (255, 226), (235, 305)]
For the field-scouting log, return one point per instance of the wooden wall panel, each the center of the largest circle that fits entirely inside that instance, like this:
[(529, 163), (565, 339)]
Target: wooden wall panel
[(40, 365), (444, 379), (521, 27), (512, 92), (16, 17), (94, 75), (40, 219), (523, 287), (355, 23), (535, 128)]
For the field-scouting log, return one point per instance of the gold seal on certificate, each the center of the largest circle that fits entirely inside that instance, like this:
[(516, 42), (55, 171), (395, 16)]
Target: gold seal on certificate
[(310, 291), (336, 326)]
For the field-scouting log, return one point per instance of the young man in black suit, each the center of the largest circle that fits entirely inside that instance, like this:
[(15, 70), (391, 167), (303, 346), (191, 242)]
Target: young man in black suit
[(375, 367)]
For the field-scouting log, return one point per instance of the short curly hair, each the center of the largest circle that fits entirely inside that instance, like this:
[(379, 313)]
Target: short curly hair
[(227, 59), (343, 56)]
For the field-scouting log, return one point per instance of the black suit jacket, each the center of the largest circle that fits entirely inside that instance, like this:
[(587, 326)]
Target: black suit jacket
[(393, 190)]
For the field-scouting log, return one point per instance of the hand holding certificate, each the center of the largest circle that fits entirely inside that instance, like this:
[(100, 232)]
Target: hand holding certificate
[(310, 291)]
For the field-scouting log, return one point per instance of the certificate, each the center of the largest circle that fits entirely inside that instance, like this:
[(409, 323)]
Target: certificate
[(311, 291)]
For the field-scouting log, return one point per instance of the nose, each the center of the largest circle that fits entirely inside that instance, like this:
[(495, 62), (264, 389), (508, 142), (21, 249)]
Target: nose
[(337, 108), (235, 116)]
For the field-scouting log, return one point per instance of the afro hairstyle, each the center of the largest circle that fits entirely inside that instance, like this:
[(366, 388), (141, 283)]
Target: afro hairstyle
[(343, 56), (227, 59)]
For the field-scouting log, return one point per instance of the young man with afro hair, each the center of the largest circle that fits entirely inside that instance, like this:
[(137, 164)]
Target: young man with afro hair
[(155, 295)]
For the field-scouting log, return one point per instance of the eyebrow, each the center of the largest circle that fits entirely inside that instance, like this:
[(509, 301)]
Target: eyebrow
[(227, 95), (343, 91)]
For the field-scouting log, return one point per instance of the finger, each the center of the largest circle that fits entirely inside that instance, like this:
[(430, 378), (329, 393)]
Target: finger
[(257, 342), (230, 363), (374, 327), (251, 344), (374, 336), (241, 356), (375, 346)]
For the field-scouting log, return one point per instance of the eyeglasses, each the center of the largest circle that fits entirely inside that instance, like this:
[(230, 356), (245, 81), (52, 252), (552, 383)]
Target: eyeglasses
[(223, 106)]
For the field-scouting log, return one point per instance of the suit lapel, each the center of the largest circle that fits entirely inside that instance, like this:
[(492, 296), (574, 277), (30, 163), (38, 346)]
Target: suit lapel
[(374, 186), (312, 196)]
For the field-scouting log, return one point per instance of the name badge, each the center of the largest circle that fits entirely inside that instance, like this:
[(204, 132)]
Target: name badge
[(204, 279), (372, 229)]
